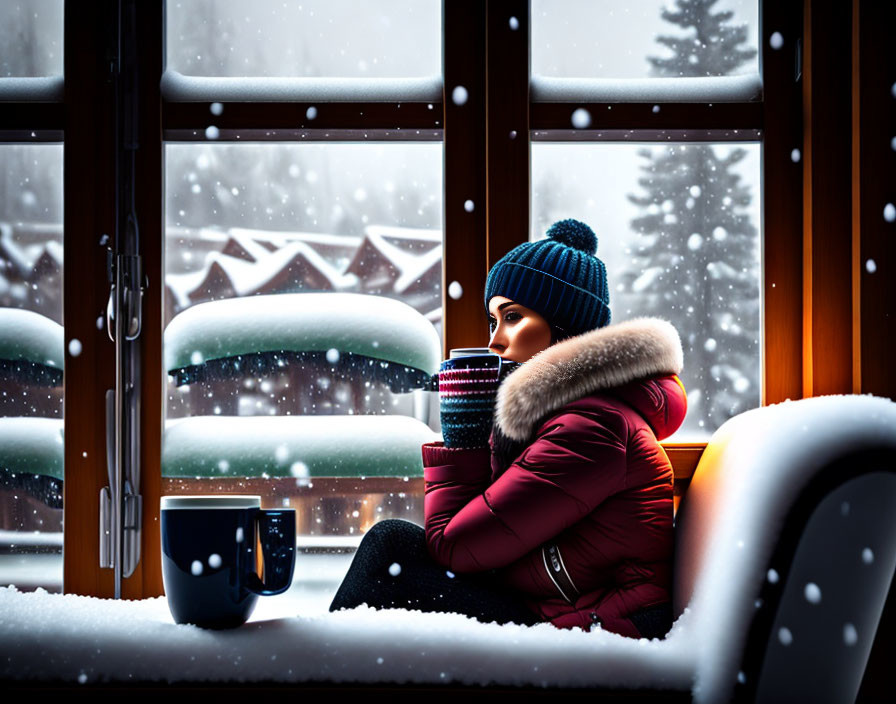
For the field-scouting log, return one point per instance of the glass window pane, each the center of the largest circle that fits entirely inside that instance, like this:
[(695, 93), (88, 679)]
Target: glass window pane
[(31, 366), (334, 38), (679, 229), (300, 412), (31, 38), (608, 39)]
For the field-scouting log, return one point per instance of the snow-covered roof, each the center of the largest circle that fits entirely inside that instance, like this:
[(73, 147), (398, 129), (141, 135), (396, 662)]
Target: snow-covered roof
[(49, 260), (372, 326), (375, 243), (244, 246), (299, 446), (699, 89), (26, 335), (177, 87), (257, 274), (25, 89), (182, 285), (284, 237), (409, 267), (55, 250), (405, 233), (416, 268), (247, 277), (32, 446), (12, 252)]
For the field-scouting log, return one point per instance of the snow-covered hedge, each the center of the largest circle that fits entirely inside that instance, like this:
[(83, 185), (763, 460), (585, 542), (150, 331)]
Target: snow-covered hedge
[(31, 337), (334, 323), (32, 446), (298, 446)]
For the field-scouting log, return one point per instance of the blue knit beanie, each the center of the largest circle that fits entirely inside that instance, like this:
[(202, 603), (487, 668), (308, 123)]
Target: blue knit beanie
[(559, 277)]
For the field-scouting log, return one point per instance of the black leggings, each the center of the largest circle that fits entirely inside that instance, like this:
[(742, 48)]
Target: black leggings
[(392, 569)]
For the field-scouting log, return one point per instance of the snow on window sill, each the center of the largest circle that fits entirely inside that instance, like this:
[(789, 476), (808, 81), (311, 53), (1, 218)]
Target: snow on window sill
[(83, 640), (177, 87), (43, 89), (548, 89)]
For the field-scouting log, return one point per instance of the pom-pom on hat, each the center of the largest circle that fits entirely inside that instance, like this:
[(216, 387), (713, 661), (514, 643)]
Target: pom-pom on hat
[(559, 277)]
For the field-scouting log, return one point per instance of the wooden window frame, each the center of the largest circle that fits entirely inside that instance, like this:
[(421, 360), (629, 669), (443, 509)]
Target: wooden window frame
[(824, 322)]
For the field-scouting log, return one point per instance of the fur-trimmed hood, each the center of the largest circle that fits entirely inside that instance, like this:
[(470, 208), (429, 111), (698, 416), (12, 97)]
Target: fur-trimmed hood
[(569, 370)]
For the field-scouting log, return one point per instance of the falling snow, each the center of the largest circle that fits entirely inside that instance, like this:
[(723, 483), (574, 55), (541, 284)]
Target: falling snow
[(581, 119), (459, 95), (812, 593), (455, 290)]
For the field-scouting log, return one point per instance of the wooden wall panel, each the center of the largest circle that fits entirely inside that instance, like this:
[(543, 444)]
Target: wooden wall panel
[(827, 247), (782, 194), (873, 187)]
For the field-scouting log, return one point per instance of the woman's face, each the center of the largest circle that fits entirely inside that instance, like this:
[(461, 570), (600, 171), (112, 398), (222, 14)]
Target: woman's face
[(517, 332)]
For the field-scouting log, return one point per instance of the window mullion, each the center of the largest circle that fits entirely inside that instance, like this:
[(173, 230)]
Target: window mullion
[(727, 120), (288, 121), (464, 260), (89, 213), (873, 176), (782, 183), (147, 580), (507, 82), (827, 279)]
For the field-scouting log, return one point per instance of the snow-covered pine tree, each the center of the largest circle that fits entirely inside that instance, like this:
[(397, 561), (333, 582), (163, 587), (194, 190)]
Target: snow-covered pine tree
[(695, 259)]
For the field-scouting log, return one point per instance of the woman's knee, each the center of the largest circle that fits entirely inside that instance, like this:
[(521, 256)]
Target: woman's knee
[(394, 537), (394, 529)]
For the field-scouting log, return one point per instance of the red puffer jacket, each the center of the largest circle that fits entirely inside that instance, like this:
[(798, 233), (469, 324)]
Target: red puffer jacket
[(580, 523)]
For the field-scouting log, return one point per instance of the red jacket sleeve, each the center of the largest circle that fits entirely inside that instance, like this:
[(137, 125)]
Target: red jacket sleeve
[(575, 463)]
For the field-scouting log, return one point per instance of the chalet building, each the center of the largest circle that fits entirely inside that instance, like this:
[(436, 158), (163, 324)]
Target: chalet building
[(390, 261), (31, 268)]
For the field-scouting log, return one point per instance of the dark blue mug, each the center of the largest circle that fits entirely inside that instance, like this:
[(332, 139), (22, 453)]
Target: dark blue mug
[(219, 553)]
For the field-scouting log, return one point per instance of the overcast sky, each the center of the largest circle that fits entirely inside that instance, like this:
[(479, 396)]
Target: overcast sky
[(402, 38)]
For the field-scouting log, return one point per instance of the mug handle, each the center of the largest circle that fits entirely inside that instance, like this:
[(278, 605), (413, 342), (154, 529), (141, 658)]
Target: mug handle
[(277, 535)]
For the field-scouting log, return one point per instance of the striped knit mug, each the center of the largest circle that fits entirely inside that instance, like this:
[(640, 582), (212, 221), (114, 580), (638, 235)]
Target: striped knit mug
[(468, 385)]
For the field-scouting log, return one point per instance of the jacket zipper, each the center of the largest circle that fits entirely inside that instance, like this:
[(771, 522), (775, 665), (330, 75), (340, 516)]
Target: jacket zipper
[(553, 564)]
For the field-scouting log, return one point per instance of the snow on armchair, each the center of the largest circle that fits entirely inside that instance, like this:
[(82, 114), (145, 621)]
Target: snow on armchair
[(786, 548)]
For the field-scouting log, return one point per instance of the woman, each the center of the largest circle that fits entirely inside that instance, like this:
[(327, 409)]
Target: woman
[(562, 511)]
